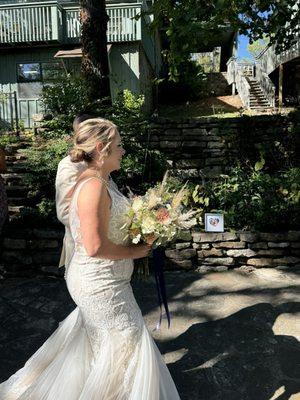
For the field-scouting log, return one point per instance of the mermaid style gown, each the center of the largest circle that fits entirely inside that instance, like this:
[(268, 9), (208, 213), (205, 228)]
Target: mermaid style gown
[(102, 350)]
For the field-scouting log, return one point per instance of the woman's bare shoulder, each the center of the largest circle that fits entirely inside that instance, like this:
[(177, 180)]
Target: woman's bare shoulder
[(92, 192)]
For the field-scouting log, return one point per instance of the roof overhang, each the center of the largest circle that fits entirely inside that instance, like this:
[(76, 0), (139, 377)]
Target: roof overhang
[(74, 53)]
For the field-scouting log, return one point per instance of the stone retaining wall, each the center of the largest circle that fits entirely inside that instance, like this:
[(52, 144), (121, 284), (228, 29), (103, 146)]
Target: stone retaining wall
[(28, 251), (35, 251), (210, 146), (221, 251)]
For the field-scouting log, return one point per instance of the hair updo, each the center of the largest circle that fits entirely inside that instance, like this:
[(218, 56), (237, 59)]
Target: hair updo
[(88, 134)]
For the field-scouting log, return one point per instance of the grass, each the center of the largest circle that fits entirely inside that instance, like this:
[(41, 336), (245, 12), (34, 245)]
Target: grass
[(217, 107)]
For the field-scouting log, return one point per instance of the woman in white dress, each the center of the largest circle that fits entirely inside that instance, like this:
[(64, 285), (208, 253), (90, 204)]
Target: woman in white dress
[(102, 350)]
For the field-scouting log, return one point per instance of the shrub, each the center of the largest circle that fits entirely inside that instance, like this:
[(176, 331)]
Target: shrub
[(43, 213), (7, 139), (67, 96), (253, 199), (191, 85), (42, 160), (140, 166)]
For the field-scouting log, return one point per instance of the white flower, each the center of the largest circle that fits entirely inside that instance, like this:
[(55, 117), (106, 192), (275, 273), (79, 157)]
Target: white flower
[(148, 225), (136, 239), (137, 204)]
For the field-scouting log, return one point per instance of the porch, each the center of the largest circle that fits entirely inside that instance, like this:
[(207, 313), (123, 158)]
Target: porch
[(46, 22)]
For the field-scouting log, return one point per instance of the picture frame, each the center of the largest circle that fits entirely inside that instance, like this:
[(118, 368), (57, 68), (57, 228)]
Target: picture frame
[(214, 222)]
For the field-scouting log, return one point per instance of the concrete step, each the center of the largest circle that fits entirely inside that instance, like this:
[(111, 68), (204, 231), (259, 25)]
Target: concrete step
[(17, 167), (259, 102), (14, 210), (263, 108), (15, 157), (259, 96), (259, 99), (19, 201), (12, 177), (16, 190)]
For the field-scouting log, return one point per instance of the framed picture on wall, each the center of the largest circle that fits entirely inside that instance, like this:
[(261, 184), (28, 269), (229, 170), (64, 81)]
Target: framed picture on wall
[(214, 222)]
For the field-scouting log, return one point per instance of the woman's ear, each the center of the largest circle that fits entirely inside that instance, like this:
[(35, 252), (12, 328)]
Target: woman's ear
[(99, 146)]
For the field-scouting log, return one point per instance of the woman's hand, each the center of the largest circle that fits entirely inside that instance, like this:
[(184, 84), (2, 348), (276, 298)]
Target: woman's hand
[(140, 250)]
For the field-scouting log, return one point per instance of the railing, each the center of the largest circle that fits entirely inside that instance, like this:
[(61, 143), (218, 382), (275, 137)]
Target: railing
[(243, 89), (236, 74), (30, 22), (122, 26), (50, 21), (269, 60), (9, 116), (266, 85)]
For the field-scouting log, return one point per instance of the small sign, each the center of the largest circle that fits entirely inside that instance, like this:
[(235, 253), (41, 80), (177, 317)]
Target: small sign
[(214, 222)]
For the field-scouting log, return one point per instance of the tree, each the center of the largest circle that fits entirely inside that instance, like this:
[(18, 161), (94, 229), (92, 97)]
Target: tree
[(95, 68), (188, 23), (256, 47)]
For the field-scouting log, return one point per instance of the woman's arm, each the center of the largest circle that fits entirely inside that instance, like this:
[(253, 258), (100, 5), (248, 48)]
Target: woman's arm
[(94, 204)]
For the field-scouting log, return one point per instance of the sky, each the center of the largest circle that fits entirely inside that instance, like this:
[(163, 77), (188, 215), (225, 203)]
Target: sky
[(242, 47)]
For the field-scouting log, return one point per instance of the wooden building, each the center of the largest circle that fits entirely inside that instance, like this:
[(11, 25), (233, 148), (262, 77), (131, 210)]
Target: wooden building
[(40, 40)]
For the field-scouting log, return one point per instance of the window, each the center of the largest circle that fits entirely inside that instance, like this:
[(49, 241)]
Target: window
[(39, 72), (51, 70), (29, 72)]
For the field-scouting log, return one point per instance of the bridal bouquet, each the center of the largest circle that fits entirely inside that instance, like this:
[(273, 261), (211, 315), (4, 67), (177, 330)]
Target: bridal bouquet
[(157, 217)]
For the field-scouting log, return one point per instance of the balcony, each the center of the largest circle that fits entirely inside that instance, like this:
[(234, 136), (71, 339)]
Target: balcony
[(52, 22)]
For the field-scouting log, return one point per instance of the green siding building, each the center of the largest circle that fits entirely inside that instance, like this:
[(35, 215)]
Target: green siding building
[(40, 40)]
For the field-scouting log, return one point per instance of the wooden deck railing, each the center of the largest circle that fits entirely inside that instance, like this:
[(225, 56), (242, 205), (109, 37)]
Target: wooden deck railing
[(30, 22), (50, 21), (122, 27), (269, 60)]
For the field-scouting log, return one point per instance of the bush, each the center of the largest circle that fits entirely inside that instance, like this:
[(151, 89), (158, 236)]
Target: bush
[(191, 85), (42, 160), (140, 166), (67, 96), (43, 213), (253, 199), (7, 139)]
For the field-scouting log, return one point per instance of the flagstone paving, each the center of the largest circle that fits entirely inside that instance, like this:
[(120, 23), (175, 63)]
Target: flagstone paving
[(234, 335)]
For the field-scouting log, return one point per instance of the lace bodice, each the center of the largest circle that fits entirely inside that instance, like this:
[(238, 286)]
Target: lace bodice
[(119, 205)]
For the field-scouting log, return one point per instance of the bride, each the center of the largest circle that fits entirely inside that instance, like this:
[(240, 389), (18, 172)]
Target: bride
[(102, 350)]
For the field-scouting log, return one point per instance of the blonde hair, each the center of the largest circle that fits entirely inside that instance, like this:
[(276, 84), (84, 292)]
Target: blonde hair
[(88, 133)]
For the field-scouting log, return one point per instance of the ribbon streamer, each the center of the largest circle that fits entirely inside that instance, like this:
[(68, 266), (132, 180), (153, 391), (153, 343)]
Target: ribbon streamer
[(158, 265)]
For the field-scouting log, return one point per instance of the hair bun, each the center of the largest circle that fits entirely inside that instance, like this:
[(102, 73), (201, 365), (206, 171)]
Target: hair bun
[(77, 155)]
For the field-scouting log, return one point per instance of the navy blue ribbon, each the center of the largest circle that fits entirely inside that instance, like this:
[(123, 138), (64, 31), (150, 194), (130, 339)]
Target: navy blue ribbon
[(158, 260)]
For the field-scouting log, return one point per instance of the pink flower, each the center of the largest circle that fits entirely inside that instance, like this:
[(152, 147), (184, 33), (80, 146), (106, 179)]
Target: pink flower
[(162, 215)]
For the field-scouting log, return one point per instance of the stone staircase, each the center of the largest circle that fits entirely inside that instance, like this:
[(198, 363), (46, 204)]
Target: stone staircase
[(16, 187), (258, 100)]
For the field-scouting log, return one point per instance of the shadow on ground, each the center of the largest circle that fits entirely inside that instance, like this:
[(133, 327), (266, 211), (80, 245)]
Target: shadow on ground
[(235, 357)]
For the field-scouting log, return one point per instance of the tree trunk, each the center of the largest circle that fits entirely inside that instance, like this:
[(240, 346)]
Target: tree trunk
[(95, 69)]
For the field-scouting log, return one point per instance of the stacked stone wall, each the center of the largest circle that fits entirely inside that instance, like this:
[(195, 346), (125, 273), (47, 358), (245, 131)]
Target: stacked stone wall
[(208, 147), (35, 251), (222, 251)]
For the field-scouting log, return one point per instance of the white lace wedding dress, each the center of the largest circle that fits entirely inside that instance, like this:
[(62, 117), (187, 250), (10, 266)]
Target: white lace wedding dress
[(102, 350)]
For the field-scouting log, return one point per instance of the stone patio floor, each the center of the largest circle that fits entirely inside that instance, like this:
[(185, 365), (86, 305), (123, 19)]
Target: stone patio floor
[(234, 335)]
